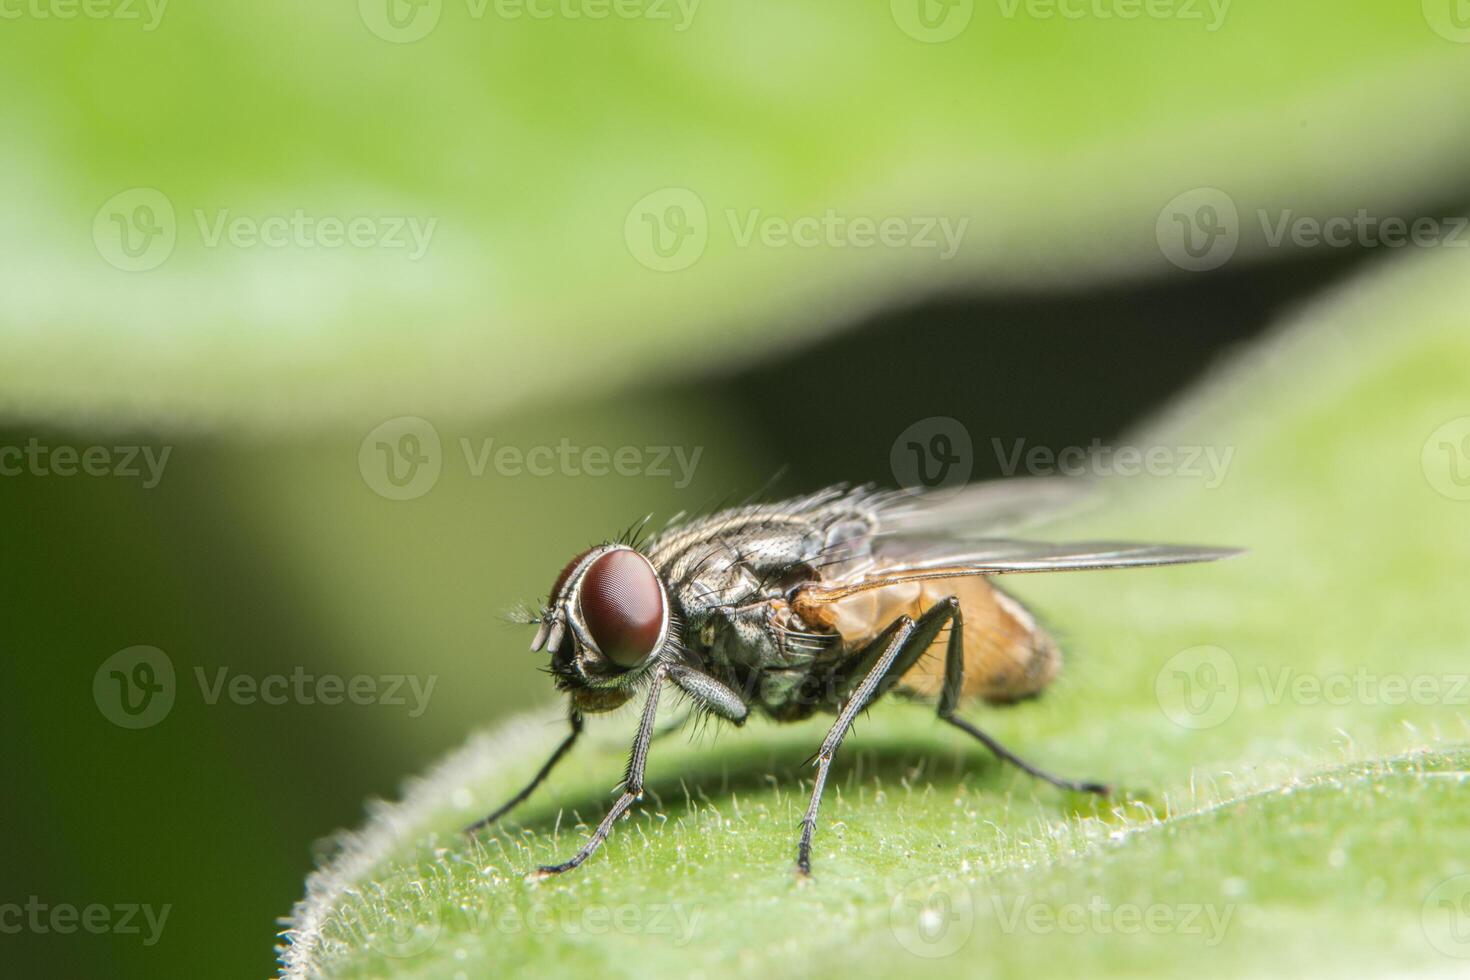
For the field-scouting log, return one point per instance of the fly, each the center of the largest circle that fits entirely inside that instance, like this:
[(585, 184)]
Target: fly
[(824, 603)]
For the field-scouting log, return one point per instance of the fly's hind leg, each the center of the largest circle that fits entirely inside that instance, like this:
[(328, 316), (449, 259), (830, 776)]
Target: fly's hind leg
[(575, 720), (949, 698)]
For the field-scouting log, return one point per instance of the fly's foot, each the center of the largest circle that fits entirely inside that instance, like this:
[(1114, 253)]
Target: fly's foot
[(547, 871)]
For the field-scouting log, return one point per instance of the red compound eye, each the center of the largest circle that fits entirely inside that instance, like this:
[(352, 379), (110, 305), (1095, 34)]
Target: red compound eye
[(622, 602), (566, 572)]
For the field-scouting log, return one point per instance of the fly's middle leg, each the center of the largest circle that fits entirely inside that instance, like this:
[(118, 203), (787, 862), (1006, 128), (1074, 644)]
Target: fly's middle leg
[(891, 653)]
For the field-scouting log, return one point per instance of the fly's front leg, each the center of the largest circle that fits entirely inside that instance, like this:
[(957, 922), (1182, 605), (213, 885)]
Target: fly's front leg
[(709, 693), (898, 646), (561, 750), (632, 784), (949, 699)]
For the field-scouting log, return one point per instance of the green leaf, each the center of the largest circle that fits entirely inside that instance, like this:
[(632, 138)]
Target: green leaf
[(524, 151), (1297, 809)]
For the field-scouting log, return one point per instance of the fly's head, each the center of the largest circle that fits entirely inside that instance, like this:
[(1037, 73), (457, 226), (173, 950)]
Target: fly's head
[(606, 622)]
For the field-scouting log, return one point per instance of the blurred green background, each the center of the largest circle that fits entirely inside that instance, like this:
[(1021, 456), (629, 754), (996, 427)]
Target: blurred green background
[(581, 187)]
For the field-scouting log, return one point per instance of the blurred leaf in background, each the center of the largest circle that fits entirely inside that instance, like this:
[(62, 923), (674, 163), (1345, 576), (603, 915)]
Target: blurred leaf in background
[(373, 205)]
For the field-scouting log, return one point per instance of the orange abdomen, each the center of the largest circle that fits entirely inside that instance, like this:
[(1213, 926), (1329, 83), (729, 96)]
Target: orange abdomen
[(1008, 656)]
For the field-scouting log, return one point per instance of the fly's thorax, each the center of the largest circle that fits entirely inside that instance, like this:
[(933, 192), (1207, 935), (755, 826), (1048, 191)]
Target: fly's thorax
[(734, 637)]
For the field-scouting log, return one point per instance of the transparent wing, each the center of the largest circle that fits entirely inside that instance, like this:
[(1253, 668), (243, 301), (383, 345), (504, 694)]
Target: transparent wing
[(915, 559), (986, 509)]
